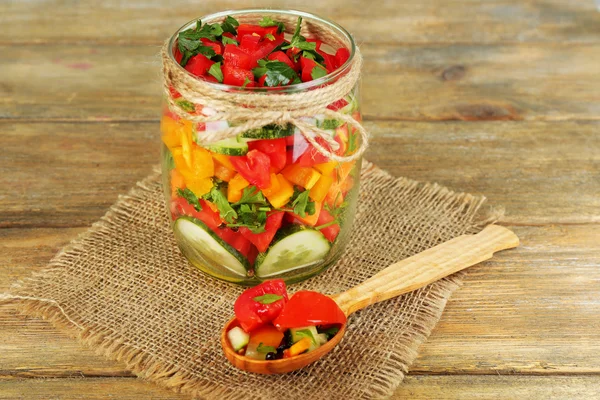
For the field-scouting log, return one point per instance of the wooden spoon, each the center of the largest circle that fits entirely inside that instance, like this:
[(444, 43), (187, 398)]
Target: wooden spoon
[(399, 278)]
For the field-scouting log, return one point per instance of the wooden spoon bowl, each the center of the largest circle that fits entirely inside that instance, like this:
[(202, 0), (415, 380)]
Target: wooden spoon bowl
[(402, 277)]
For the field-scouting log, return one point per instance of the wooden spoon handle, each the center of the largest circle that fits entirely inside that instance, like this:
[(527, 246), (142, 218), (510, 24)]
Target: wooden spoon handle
[(427, 267)]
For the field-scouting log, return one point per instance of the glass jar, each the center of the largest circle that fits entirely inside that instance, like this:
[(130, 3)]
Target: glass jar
[(266, 204)]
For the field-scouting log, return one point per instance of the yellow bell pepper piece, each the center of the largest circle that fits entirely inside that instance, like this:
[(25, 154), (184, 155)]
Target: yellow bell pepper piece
[(319, 191), (169, 129), (200, 186), (300, 346), (283, 195), (223, 160), (177, 182), (301, 176), (203, 165), (235, 188), (273, 187), (326, 168)]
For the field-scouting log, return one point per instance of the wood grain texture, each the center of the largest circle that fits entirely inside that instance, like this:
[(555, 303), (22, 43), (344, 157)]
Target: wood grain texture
[(413, 22), (541, 172), (420, 82), (532, 310)]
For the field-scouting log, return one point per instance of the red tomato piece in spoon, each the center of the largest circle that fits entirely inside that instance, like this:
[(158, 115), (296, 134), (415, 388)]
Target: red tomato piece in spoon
[(308, 308), (261, 304)]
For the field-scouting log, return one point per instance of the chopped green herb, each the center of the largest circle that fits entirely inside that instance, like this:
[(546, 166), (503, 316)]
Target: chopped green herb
[(189, 43), (215, 70), (185, 105), (190, 197), (329, 124), (228, 40), (270, 37), (302, 204), (246, 82), (229, 25), (268, 21), (252, 195), (267, 298), (299, 42), (278, 73), (226, 212), (302, 333), (352, 136), (265, 349), (318, 72)]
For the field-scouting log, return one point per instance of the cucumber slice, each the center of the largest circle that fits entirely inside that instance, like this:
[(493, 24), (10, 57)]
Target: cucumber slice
[(238, 338), (309, 332), (209, 252), (271, 131), (292, 248), (237, 146)]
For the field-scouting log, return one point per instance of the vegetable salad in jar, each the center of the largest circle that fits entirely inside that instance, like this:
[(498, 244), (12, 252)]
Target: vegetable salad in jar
[(269, 202)]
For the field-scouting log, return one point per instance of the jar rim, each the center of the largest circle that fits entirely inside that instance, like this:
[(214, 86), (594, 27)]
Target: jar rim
[(298, 87)]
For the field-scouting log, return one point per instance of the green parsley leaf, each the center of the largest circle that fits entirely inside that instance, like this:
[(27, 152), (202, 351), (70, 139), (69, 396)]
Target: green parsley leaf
[(267, 298), (278, 73), (268, 21), (228, 40), (215, 70), (318, 72), (302, 333), (252, 195), (329, 124), (298, 41), (229, 25), (190, 197), (352, 136), (270, 37), (226, 212), (265, 349), (185, 105), (302, 204), (246, 82), (189, 43)]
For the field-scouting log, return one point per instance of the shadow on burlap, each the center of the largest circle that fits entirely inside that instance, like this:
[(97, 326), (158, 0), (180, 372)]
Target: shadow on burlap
[(124, 289)]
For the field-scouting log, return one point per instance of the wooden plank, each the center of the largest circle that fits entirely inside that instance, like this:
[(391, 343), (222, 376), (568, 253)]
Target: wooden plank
[(465, 387), (533, 310), (461, 387), (408, 22), (88, 389), (428, 82), (527, 167)]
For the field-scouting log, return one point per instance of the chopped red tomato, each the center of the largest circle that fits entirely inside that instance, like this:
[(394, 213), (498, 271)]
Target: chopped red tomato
[(263, 240), (308, 308), (281, 56), (255, 167), (312, 156), (249, 29), (235, 240), (216, 46), (330, 232), (341, 56), (180, 206), (307, 65), (329, 61), (249, 43), (253, 309), (236, 76), (198, 65), (234, 56), (317, 43), (274, 148), (338, 105)]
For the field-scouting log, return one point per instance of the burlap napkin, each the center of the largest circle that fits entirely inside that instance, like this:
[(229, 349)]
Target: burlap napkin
[(124, 289)]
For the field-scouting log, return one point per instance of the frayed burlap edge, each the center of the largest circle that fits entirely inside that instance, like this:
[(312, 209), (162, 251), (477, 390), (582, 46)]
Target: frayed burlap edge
[(150, 367)]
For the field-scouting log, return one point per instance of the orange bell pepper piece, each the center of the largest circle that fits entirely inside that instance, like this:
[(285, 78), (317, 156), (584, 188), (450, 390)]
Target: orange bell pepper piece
[(319, 191), (300, 347), (326, 168), (200, 186), (283, 195), (235, 188), (169, 129), (177, 182), (223, 160), (273, 188), (203, 165), (310, 220), (302, 176), (223, 173), (268, 335)]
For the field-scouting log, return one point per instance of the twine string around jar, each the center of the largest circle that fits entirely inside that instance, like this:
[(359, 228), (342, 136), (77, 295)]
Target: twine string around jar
[(248, 109)]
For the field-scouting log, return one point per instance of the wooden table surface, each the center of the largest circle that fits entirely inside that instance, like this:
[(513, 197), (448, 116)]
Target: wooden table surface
[(493, 97)]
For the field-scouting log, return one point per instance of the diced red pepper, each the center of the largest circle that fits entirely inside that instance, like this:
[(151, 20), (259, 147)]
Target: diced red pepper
[(330, 232), (236, 76), (338, 104), (265, 48), (263, 240), (210, 78), (307, 65), (281, 56), (234, 56), (198, 65), (251, 313), (177, 54), (312, 156), (274, 148), (249, 29), (317, 43), (329, 61), (174, 93), (180, 206), (308, 308), (261, 81), (216, 46), (255, 167), (249, 43), (341, 56)]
